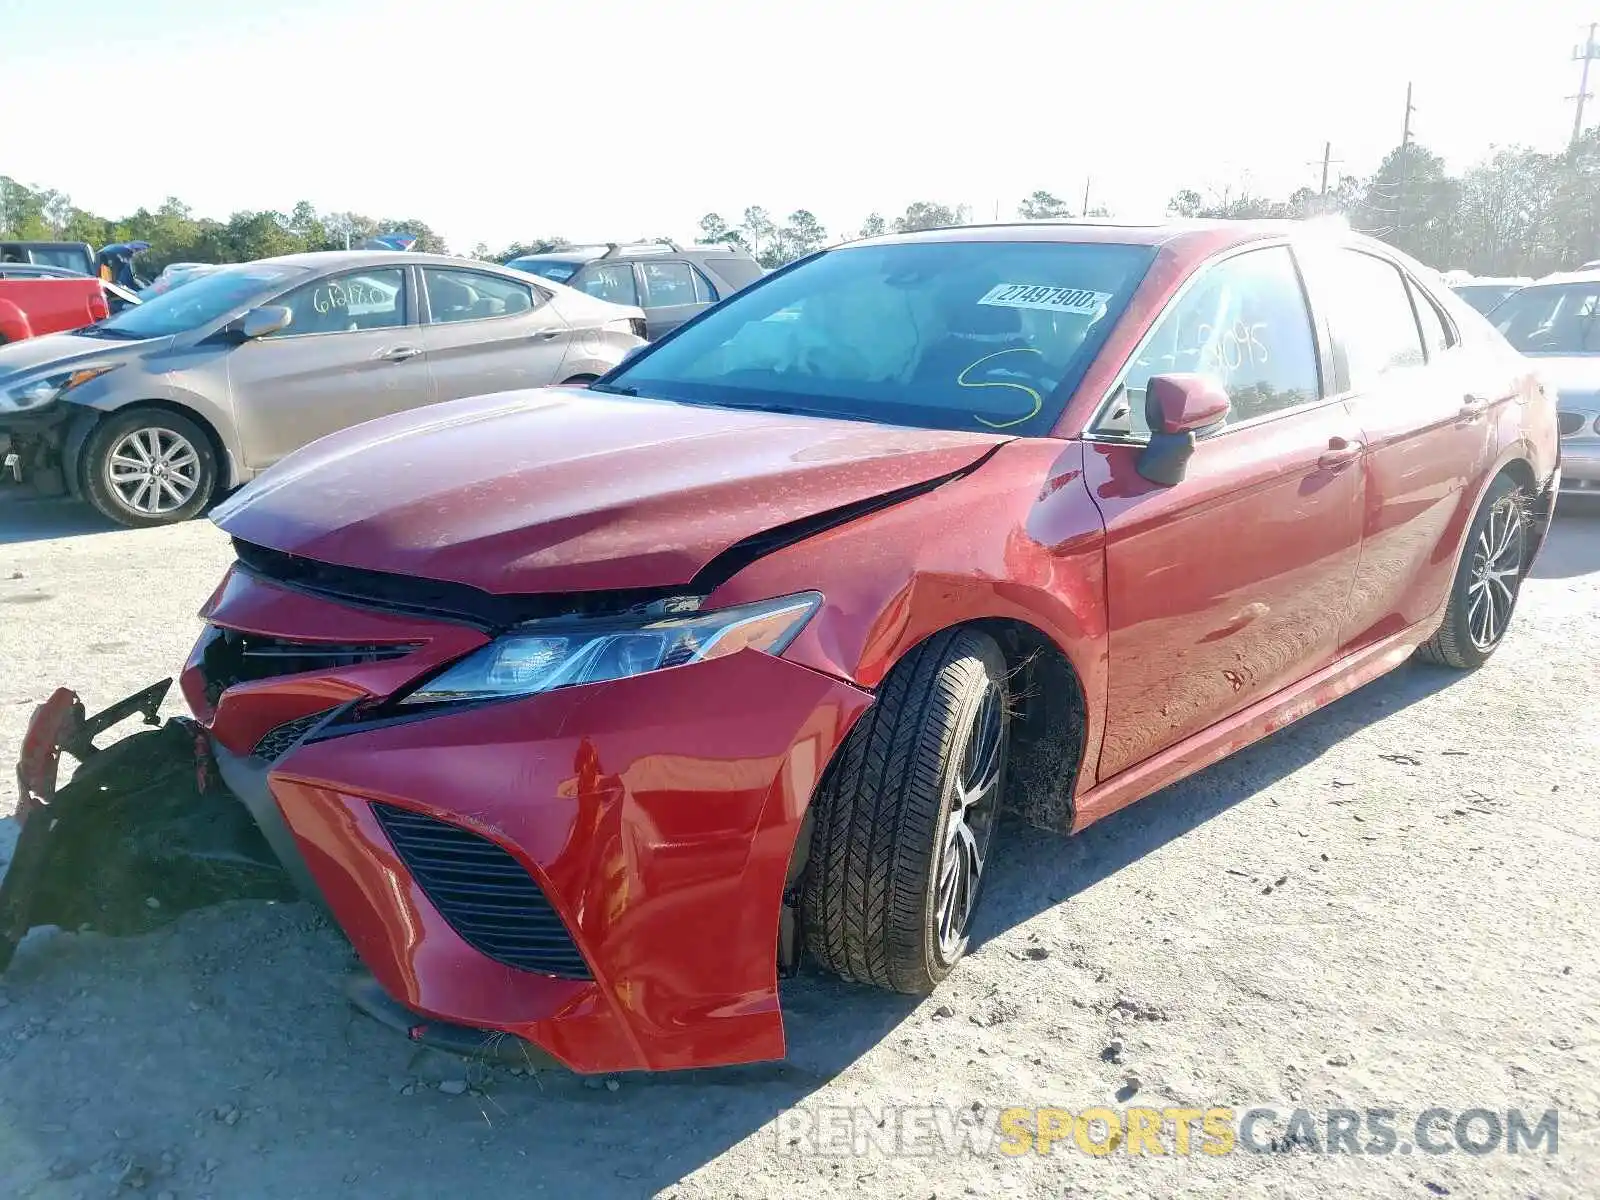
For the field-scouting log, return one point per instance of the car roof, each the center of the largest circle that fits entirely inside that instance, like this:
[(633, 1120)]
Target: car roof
[(1190, 236), (345, 259), (1579, 276), (625, 250)]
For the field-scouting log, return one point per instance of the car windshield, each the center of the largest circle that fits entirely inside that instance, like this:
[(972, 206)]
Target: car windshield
[(552, 269), (945, 335), (198, 302), (1557, 318)]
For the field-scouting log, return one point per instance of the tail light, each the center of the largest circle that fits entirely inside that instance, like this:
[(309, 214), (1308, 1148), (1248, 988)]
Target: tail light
[(1570, 423), (637, 325)]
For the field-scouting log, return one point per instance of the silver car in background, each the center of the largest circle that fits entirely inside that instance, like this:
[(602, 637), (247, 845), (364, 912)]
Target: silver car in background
[(1557, 322), (150, 414)]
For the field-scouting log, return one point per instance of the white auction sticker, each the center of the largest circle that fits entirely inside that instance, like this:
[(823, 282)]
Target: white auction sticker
[(1081, 301)]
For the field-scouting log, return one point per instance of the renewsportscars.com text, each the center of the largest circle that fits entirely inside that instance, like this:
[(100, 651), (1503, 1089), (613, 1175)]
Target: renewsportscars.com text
[(930, 1130)]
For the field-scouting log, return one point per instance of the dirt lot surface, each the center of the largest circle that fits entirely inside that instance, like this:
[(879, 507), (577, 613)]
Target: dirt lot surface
[(1389, 905)]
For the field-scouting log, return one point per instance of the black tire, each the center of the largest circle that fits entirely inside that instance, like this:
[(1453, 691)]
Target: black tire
[(1499, 538), (870, 894), (164, 425)]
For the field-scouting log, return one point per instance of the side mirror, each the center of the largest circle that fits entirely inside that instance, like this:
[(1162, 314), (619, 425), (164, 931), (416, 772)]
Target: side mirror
[(1176, 407), (268, 319)]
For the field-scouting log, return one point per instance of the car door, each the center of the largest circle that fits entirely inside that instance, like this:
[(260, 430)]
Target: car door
[(352, 351), (668, 296), (1424, 408), (490, 333), (1231, 584)]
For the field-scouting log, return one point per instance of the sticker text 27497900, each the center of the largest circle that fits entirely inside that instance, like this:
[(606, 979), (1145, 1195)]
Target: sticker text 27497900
[(1080, 301)]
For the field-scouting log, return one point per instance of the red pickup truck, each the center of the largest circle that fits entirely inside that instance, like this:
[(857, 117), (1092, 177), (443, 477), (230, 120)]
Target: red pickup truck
[(30, 307)]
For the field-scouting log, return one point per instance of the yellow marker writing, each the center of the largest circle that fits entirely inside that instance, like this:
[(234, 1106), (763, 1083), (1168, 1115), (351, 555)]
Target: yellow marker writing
[(1038, 400)]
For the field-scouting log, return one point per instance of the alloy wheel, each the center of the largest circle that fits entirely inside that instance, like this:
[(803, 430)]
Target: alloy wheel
[(969, 825), (153, 471), (1496, 571)]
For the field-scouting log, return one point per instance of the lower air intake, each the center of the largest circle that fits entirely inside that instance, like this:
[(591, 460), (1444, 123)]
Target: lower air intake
[(483, 893)]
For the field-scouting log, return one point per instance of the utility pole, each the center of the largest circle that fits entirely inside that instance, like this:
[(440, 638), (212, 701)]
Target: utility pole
[(1327, 160), (1087, 180), (1405, 168), (1586, 54)]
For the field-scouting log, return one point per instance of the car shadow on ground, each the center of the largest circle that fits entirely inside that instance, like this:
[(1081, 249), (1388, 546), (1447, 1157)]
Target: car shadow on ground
[(36, 519), (1038, 869), (1573, 547)]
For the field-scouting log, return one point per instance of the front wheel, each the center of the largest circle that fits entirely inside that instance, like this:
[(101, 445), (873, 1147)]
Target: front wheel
[(1488, 580), (149, 466), (905, 818)]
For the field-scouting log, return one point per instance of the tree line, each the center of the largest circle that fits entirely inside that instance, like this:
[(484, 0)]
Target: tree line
[(1518, 211)]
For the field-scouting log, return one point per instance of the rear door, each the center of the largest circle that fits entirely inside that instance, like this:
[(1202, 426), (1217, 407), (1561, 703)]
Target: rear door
[(1232, 583), (352, 352), (490, 333), (669, 295), (1424, 407)]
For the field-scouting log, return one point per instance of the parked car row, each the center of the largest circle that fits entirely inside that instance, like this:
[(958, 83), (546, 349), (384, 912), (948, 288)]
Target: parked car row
[(670, 282)]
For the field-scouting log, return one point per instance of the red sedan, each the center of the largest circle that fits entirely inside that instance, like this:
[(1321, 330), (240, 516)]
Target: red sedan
[(588, 712)]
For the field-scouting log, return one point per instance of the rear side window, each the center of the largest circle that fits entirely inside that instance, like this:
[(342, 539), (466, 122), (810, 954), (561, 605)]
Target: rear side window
[(474, 296), (736, 271), (666, 284), (608, 281), (1244, 323), (1376, 325), (1435, 333), (705, 291)]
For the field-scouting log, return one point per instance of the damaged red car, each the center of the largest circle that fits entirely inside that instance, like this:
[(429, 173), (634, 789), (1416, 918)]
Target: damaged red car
[(588, 713)]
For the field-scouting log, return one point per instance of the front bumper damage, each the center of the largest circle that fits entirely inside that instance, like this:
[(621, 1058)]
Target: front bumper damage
[(645, 829), (142, 833), (32, 449)]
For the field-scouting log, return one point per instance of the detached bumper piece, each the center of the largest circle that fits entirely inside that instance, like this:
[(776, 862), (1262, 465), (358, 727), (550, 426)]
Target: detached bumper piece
[(142, 833)]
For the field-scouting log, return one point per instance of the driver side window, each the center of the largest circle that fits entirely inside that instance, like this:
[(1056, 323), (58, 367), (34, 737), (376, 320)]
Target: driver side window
[(348, 303), (1245, 324)]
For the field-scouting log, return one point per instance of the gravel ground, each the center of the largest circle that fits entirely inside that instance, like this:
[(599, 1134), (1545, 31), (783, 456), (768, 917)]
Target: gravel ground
[(1390, 904)]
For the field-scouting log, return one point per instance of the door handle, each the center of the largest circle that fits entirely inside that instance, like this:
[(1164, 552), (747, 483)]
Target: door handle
[(1472, 406), (400, 353), (1341, 452), (547, 335)]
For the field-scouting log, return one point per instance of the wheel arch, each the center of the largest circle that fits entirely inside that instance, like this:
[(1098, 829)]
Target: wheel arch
[(85, 422)]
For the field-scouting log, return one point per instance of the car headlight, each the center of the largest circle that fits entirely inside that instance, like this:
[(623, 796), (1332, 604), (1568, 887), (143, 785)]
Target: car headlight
[(544, 655), (36, 393)]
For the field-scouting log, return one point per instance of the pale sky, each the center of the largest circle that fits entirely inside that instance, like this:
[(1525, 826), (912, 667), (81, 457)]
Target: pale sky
[(496, 120)]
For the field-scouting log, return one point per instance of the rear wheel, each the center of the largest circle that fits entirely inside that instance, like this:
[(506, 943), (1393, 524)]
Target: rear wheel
[(905, 818), (1488, 580), (149, 466)]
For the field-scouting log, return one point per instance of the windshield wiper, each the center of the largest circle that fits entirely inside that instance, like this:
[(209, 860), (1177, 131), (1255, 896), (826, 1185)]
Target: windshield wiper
[(612, 389)]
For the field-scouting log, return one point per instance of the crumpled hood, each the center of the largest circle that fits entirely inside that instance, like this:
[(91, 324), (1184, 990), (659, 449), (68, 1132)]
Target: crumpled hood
[(563, 489), (66, 350)]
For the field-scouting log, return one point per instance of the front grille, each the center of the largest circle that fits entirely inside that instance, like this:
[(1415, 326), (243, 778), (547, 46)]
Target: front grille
[(275, 741), (435, 599), (483, 893), (232, 657)]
